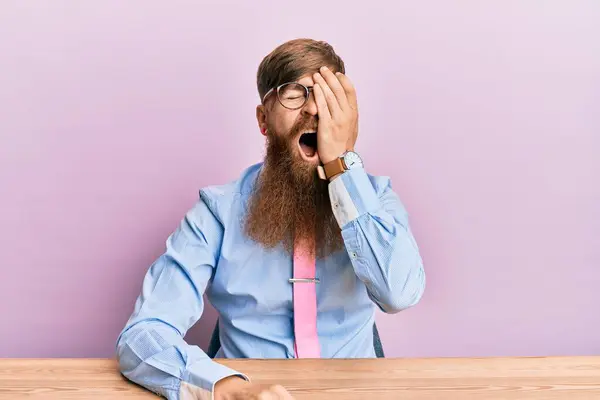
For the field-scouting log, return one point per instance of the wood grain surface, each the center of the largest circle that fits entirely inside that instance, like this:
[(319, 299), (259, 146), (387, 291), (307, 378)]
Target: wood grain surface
[(418, 379)]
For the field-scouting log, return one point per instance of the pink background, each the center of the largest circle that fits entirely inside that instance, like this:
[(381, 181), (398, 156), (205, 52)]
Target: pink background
[(485, 114)]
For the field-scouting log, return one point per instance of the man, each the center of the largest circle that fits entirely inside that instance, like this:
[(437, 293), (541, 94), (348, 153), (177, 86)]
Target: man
[(295, 255)]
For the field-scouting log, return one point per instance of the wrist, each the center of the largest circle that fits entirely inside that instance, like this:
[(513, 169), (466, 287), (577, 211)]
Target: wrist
[(346, 161), (328, 159), (332, 155), (228, 385)]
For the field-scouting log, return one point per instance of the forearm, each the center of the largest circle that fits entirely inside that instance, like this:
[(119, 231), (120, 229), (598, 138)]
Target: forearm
[(386, 259), (377, 236), (154, 355)]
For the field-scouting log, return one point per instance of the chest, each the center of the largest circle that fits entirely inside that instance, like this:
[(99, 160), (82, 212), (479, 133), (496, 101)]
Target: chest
[(252, 280)]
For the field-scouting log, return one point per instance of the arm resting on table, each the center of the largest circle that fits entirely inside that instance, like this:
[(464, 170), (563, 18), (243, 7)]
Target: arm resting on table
[(151, 350)]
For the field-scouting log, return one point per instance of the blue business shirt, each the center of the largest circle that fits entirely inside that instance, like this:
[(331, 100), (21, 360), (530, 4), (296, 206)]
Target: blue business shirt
[(248, 285)]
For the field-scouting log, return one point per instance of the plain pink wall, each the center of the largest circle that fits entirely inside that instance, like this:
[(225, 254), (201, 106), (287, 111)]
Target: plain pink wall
[(485, 114)]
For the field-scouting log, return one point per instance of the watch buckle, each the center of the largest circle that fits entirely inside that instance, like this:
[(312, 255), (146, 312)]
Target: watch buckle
[(321, 172)]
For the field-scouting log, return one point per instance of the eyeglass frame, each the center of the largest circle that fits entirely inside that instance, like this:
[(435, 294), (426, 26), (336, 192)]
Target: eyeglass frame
[(307, 90)]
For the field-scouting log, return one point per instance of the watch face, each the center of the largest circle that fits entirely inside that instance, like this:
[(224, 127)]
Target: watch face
[(352, 160)]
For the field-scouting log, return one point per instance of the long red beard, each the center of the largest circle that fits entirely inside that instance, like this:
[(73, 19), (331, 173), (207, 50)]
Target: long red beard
[(289, 201)]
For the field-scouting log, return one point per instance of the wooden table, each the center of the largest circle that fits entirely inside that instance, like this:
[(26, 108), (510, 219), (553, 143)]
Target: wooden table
[(444, 379)]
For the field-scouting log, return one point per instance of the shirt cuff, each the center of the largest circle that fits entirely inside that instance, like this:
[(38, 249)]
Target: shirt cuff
[(201, 377), (352, 195)]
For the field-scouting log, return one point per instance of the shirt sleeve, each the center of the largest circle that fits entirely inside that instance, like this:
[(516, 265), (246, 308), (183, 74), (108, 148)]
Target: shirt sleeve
[(378, 239), (151, 350)]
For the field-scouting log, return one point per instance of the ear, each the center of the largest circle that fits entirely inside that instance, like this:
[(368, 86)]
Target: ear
[(261, 118)]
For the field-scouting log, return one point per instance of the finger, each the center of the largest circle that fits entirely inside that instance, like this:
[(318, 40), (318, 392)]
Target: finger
[(332, 103), (336, 87), (349, 89), (281, 393), (267, 395), (322, 108)]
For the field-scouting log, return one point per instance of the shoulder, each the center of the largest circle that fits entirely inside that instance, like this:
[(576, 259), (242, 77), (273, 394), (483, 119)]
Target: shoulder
[(222, 196)]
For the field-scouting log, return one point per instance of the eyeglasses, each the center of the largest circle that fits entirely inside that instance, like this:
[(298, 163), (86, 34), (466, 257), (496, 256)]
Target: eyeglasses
[(291, 95)]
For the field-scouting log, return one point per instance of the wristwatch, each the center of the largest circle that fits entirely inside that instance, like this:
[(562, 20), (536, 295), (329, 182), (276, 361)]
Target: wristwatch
[(348, 160)]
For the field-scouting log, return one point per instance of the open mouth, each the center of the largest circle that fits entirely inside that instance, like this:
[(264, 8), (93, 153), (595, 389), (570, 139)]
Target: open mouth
[(308, 145)]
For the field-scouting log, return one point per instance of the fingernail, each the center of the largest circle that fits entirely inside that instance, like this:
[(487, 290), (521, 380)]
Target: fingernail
[(324, 68)]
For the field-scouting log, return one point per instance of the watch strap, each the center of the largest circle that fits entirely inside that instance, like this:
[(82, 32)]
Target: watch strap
[(334, 167)]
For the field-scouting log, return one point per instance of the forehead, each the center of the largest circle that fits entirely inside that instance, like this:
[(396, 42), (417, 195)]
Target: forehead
[(306, 80)]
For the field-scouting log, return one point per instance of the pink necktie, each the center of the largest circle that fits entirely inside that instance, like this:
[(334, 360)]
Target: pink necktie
[(305, 303)]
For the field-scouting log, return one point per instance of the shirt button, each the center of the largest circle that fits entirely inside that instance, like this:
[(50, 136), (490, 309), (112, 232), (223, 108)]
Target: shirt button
[(335, 205), (353, 255)]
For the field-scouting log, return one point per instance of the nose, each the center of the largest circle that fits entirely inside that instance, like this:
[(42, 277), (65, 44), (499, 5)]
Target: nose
[(310, 107)]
